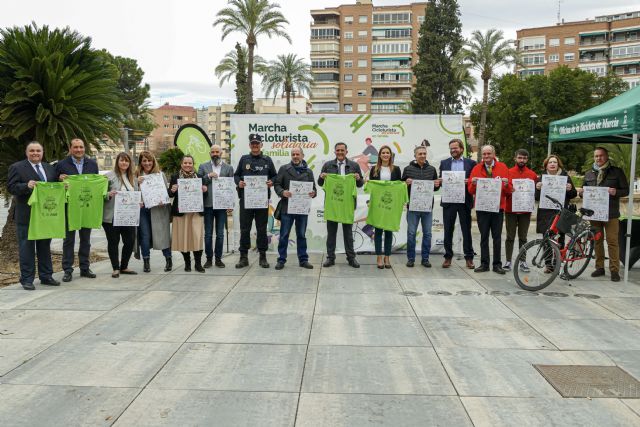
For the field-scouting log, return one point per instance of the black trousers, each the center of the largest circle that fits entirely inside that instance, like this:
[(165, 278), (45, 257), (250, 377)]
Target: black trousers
[(449, 213), (27, 253), (332, 233), (113, 242), (83, 252), (490, 222), (247, 216)]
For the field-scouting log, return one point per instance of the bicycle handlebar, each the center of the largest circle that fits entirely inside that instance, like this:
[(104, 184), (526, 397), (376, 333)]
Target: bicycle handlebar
[(556, 202)]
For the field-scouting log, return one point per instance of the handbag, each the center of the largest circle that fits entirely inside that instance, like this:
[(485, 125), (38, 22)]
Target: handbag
[(277, 213)]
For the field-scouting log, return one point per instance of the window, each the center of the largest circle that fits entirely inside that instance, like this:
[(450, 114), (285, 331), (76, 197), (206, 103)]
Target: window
[(348, 64), (362, 78), (326, 77), (362, 92), (348, 77), (348, 35), (362, 63), (404, 47), (362, 107), (598, 70), (347, 48), (569, 41), (325, 107), (324, 33), (324, 47), (569, 57), (347, 108), (325, 63), (348, 93), (621, 52), (420, 20), (554, 57), (385, 108), (532, 43), (362, 19), (362, 34), (362, 48), (165, 117), (534, 59), (554, 42), (392, 18), (348, 19), (325, 92), (166, 126), (526, 73), (401, 33)]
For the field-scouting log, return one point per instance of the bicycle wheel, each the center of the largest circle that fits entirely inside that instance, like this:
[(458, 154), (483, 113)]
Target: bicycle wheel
[(543, 257), (579, 254), (358, 240)]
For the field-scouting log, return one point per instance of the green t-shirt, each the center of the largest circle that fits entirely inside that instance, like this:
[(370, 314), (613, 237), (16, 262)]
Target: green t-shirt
[(85, 199), (386, 203), (339, 198), (47, 211)]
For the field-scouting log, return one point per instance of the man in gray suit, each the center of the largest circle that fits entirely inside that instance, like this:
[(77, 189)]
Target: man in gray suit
[(208, 171)]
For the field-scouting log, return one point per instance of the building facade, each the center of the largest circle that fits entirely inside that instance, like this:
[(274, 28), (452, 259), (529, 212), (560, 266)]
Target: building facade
[(361, 57), (168, 119), (606, 43)]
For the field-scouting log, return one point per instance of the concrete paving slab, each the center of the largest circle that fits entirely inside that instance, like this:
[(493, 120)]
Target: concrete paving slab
[(625, 307), (233, 367), (346, 272), (435, 272), (633, 404), (107, 283), (359, 285), (189, 283), (84, 300), (291, 283), (548, 307), (11, 298), (428, 284), (356, 410), (173, 301), (368, 331), (33, 405), (483, 333), (14, 353), (79, 362), (209, 408), (363, 305), (501, 411), (291, 268), (163, 326), (507, 372), (589, 334), (476, 306), (603, 288), (398, 370), (45, 325), (254, 329), (267, 303), (627, 360)]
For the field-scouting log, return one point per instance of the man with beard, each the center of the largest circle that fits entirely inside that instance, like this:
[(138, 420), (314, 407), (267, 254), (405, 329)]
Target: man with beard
[(209, 171)]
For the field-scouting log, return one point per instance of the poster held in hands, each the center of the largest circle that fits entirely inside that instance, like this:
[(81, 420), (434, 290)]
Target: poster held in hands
[(488, 192), (126, 210), (223, 193), (154, 191), (453, 187), (554, 186), (523, 198), (190, 195), (421, 195), (256, 192), (596, 199), (300, 201)]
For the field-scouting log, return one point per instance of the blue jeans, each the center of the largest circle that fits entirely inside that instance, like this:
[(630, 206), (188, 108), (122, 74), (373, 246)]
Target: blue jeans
[(220, 217), (388, 241), (286, 223), (145, 233), (413, 218)]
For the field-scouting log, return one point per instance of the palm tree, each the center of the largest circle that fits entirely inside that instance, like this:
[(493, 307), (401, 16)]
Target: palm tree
[(228, 67), (287, 74), (462, 73), (485, 53), (252, 18)]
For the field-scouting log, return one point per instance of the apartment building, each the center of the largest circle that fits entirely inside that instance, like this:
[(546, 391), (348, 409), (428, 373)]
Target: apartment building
[(608, 42), (361, 57), (168, 119)]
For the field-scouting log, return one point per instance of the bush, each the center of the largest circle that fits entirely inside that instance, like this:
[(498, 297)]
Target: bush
[(170, 160), (578, 180)]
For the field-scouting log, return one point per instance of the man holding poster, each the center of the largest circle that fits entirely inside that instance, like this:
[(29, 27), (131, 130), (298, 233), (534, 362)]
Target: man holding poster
[(603, 174), (255, 164), (490, 218)]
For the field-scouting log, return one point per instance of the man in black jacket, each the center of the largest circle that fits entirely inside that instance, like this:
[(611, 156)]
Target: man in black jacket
[(76, 164), (342, 166), (603, 174), (22, 179), (297, 170), (419, 169), (254, 164)]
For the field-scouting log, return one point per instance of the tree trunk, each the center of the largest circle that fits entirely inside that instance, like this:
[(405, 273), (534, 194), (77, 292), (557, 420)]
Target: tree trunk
[(9, 239), (251, 43), (288, 102), (483, 114)]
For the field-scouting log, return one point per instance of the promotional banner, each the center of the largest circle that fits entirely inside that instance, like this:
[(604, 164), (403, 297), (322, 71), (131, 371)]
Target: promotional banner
[(364, 135), (191, 139)]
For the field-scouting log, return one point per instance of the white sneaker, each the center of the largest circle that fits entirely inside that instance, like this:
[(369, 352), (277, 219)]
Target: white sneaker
[(524, 267), (507, 266)]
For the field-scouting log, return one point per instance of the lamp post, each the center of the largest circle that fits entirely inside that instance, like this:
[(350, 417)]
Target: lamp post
[(533, 118)]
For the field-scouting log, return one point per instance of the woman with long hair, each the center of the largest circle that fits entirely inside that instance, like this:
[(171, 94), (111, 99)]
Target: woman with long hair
[(121, 178), (154, 230), (187, 233), (384, 170)]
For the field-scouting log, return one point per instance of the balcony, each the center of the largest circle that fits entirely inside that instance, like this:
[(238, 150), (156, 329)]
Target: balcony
[(591, 42), (332, 22), (390, 95), (391, 83), (597, 58)]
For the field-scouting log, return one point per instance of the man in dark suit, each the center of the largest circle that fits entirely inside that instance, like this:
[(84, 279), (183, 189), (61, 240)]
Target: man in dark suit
[(75, 164), (23, 176), (462, 210)]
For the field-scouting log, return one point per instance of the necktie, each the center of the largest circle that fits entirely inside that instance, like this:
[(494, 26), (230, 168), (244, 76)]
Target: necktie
[(489, 171), (39, 172), (340, 168)]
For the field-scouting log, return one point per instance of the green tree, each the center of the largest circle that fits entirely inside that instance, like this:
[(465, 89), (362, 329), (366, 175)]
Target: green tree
[(252, 18), (484, 53), (287, 74), (437, 88), (228, 67), (241, 82), (170, 161)]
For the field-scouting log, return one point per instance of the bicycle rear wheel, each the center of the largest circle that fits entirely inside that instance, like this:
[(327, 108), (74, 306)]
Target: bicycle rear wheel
[(579, 254), (543, 257)]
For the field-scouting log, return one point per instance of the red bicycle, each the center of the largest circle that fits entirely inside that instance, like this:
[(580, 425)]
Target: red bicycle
[(546, 256)]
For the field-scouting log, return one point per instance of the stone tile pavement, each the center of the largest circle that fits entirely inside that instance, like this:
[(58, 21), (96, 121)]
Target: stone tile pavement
[(327, 347)]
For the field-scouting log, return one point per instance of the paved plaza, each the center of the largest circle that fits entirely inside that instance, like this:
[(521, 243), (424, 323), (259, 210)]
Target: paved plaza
[(323, 347)]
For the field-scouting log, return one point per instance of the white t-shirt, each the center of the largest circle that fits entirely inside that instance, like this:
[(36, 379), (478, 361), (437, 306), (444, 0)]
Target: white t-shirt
[(385, 173)]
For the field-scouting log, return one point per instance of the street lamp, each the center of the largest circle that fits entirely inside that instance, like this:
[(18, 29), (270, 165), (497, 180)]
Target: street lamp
[(533, 118)]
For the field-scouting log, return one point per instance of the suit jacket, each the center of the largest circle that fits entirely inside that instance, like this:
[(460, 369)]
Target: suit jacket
[(469, 164), (20, 173), (286, 174), (67, 167), (204, 170)]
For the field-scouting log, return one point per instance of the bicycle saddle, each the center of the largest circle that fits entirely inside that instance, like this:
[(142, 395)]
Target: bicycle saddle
[(586, 212)]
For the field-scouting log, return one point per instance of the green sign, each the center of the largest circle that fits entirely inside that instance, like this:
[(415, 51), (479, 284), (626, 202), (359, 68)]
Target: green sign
[(191, 139)]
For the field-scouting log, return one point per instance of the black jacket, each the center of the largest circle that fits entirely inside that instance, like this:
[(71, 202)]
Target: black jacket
[(20, 173), (174, 205), (67, 167), (415, 171), (614, 178), (395, 174), (349, 167), (544, 217), (286, 174), (250, 165)]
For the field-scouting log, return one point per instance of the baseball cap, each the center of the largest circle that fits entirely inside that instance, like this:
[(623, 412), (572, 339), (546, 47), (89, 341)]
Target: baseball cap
[(255, 138)]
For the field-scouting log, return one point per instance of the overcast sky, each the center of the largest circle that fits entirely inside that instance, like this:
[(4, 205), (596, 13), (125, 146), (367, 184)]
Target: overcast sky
[(178, 48)]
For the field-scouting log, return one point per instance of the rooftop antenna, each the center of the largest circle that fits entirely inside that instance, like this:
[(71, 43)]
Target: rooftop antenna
[(559, 4)]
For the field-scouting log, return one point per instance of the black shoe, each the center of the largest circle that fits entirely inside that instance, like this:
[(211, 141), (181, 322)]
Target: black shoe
[(244, 262), (168, 266), (50, 282), (328, 263), (219, 263), (279, 265), (88, 274), (598, 272), (199, 268), (498, 269), (28, 286), (615, 276), (209, 263), (262, 261), (127, 271), (353, 263), (306, 265), (146, 266), (410, 263), (426, 263), (68, 276), (481, 269)]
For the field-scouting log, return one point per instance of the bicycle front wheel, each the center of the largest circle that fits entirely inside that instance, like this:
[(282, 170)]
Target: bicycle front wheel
[(579, 254), (543, 258)]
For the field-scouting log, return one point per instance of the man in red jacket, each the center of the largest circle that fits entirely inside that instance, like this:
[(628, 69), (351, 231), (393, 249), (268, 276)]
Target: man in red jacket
[(517, 220), (490, 222)]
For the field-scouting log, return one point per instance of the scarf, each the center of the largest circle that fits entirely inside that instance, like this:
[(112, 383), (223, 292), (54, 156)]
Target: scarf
[(301, 168), (182, 174), (602, 170)]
